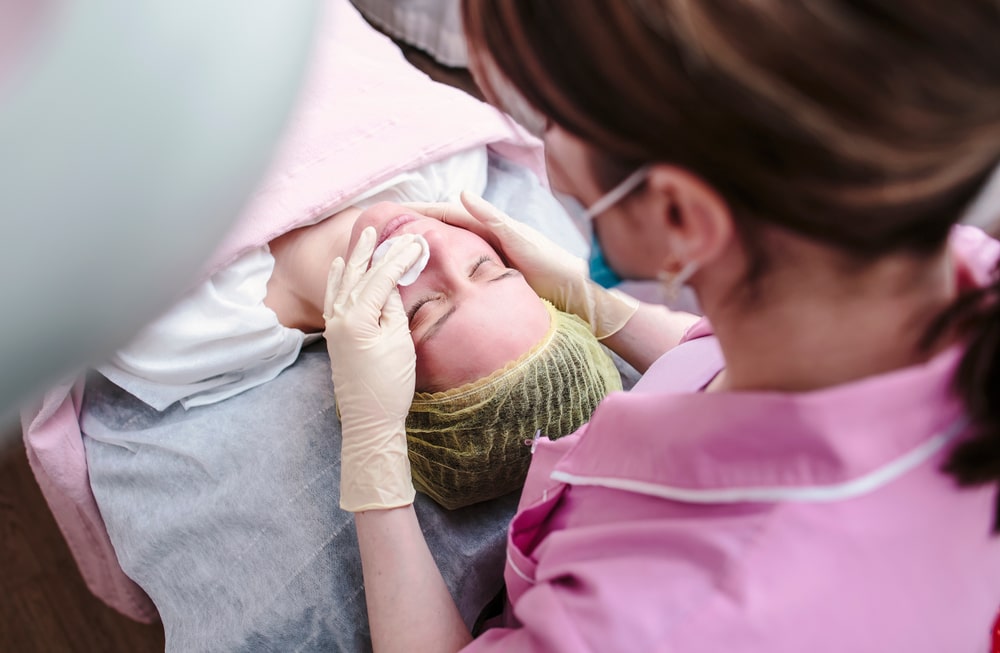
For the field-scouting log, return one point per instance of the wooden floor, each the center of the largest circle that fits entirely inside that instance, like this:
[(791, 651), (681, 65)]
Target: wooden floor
[(45, 606)]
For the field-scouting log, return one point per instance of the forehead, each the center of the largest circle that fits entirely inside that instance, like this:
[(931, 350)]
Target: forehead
[(494, 324)]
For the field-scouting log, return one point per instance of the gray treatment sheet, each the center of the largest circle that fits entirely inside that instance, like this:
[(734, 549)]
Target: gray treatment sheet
[(227, 515)]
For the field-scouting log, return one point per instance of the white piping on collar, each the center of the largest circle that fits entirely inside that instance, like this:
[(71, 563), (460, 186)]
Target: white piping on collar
[(517, 570), (855, 487)]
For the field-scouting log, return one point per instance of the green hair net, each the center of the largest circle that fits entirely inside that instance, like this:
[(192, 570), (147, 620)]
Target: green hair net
[(467, 444)]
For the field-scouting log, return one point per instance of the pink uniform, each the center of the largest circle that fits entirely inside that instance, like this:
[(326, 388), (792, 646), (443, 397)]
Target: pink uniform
[(685, 521)]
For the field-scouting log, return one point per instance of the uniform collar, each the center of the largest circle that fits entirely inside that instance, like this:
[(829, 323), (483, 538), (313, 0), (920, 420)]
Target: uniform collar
[(747, 446)]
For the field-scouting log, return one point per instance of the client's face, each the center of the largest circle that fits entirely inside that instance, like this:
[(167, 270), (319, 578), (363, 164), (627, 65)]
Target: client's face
[(469, 313)]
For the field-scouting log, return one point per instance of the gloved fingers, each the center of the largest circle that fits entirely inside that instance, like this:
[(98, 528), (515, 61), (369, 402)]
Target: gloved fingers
[(357, 265), (474, 214), (486, 221), (480, 217), (451, 214), (484, 212), (360, 297), (446, 212), (504, 228), (378, 284), (394, 314), (509, 231), (333, 282)]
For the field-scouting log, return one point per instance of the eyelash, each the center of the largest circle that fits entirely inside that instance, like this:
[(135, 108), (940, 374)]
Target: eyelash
[(480, 261), (410, 314)]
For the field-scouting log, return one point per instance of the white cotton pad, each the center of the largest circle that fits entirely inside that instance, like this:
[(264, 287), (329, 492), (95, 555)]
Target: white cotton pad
[(410, 275)]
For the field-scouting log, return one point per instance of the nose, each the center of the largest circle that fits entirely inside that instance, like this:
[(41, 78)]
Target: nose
[(442, 264)]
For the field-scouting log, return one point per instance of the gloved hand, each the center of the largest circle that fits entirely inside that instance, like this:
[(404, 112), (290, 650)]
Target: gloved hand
[(374, 373), (552, 272)]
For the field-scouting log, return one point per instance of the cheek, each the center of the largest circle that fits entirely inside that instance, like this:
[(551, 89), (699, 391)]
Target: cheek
[(558, 175), (428, 366), (564, 162), (426, 372), (628, 248), (437, 369)]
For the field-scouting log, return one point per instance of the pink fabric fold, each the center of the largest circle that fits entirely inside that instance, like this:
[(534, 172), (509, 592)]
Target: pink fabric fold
[(364, 115)]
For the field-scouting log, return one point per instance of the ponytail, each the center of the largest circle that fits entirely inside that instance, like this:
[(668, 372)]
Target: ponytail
[(976, 460)]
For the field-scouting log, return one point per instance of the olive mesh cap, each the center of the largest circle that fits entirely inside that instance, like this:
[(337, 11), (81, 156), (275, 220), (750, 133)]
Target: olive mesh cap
[(467, 444)]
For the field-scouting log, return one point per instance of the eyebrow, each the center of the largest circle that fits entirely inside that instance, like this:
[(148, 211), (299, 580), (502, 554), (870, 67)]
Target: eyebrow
[(438, 323), (506, 275), (434, 328)]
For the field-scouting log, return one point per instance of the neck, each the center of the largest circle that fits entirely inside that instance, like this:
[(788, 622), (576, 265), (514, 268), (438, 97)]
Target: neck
[(302, 260), (817, 325)]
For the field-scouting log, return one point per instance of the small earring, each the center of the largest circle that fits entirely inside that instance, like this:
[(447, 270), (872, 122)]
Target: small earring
[(673, 281)]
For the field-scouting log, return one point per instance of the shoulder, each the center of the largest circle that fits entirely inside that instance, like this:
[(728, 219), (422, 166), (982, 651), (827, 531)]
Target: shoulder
[(688, 367), (636, 583)]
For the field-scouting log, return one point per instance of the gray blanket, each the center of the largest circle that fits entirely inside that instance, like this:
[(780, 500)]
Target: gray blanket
[(227, 515)]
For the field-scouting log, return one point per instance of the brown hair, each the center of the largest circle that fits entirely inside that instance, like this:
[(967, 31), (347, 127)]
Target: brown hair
[(869, 126)]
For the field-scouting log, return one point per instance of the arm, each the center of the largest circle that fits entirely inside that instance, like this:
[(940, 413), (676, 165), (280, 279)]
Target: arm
[(373, 364), (409, 607), (649, 333)]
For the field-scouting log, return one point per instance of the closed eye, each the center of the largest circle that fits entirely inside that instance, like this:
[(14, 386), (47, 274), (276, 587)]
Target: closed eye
[(416, 307), (506, 274), (478, 264), (482, 260)]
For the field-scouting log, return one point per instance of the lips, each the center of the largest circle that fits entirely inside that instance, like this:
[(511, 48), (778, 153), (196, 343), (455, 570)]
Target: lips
[(392, 227)]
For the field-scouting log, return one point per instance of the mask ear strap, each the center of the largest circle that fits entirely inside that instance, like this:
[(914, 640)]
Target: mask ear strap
[(673, 282), (616, 194)]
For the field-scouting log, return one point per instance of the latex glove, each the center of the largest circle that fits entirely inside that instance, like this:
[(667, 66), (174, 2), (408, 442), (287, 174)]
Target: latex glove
[(374, 372), (552, 272)]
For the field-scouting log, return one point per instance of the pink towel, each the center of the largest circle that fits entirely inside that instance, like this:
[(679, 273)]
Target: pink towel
[(364, 115)]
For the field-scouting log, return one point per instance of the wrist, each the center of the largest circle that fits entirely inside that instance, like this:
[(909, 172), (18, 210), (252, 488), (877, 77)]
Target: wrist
[(606, 311), (615, 309), (374, 467), (377, 488)]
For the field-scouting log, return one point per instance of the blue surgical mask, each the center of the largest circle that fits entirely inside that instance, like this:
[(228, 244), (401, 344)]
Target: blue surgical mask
[(600, 271)]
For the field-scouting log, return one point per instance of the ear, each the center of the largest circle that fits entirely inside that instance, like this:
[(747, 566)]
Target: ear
[(696, 220)]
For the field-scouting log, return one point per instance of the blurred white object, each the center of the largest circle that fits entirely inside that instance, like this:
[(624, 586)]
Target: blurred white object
[(131, 134), (434, 26)]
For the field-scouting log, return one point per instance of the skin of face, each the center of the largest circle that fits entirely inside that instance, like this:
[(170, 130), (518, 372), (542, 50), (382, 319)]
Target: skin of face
[(469, 313), (632, 247)]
